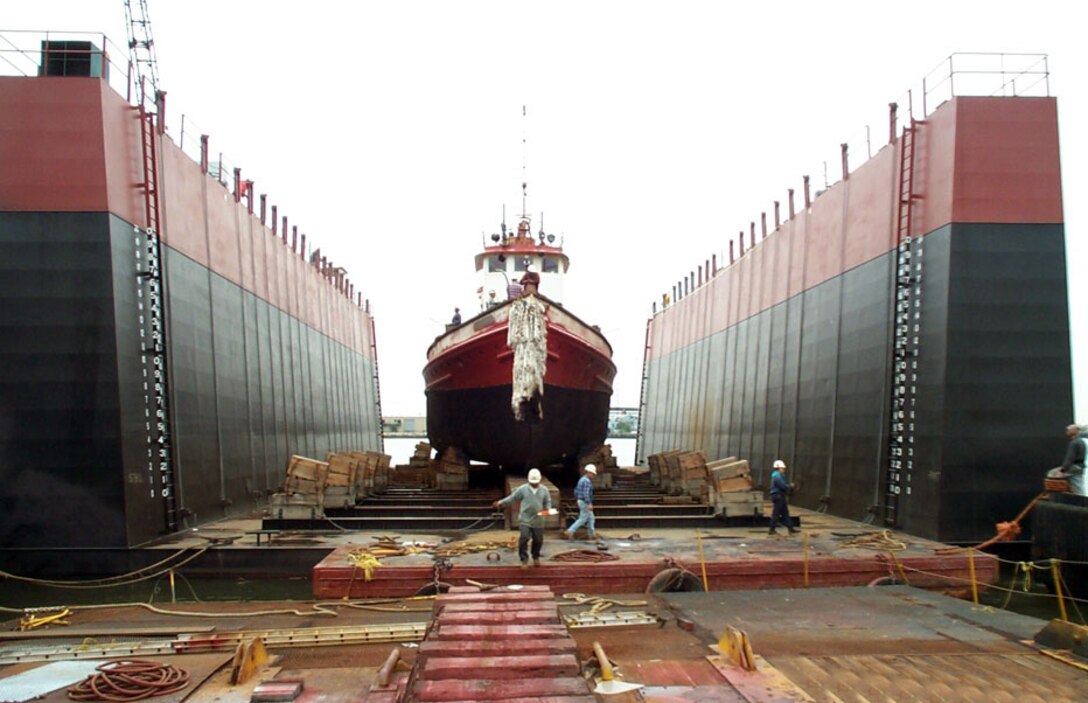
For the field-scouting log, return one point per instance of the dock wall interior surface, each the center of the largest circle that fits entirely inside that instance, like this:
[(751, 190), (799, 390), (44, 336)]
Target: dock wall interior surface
[(266, 357), (788, 352)]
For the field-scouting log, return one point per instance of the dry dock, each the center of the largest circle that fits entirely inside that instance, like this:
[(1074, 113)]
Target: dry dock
[(893, 643)]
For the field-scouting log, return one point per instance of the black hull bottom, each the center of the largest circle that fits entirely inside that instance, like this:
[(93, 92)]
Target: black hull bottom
[(481, 424)]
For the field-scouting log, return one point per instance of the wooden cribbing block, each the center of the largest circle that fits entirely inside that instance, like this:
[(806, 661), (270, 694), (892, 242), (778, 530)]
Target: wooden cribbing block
[(499, 668), (534, 689)]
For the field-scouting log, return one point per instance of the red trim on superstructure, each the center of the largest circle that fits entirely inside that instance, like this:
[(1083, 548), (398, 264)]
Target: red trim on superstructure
[(978, 160)]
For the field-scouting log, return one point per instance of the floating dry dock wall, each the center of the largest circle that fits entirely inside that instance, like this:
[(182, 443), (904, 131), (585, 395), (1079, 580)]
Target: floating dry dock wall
[(907, 363), (106, 442)]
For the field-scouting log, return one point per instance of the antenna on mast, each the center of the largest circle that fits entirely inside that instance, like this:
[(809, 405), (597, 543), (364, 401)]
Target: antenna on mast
[(524, 149)]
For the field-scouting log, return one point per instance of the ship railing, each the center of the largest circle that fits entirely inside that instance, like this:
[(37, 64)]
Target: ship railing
[(33, 53), (958, 75)]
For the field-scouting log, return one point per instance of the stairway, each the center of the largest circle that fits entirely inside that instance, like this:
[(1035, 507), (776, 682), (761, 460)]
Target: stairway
[(499, 645)]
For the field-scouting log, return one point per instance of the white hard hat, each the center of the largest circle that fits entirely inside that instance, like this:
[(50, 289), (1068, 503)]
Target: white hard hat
[(779, 464), (534, 475), (591, 469)]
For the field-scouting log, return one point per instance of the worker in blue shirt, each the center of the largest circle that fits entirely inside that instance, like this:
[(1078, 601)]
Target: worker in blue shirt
[(780, 498), (583, 493)]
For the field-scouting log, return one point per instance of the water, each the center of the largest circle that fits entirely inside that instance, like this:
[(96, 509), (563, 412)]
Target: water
[(402, 448)]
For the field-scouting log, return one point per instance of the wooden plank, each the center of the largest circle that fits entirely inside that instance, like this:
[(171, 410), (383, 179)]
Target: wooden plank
[(509, 617)]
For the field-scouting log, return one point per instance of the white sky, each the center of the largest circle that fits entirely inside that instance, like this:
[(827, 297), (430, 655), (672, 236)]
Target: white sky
[(390, 132)]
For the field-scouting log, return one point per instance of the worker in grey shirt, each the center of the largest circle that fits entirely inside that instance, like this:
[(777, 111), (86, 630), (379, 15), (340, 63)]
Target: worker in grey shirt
[(535, 500), (1076, 454)]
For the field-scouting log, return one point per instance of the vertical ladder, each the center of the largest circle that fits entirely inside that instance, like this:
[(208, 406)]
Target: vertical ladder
[(905, 339), (642, 395), (152, 330), (377, 382)]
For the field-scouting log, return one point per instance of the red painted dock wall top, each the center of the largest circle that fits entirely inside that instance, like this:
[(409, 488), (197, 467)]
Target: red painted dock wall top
[(74, 145), (977, 160)]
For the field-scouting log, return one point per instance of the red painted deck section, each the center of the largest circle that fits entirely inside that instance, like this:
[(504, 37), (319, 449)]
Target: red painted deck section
[(334, 577), (449, 668), (977, 159)]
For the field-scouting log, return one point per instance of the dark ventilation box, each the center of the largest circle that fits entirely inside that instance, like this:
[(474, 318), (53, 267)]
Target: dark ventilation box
[(73, 58)]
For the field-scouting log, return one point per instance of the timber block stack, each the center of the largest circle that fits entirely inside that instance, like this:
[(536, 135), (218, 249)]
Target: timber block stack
[(659, 468), (303, 494), (371, 472), (499, 645), (451, 471), (340, 480), (418, 472), (731, 491), (606, 466)]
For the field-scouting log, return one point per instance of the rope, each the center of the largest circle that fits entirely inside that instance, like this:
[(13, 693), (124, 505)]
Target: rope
[(111, 581), (585, 555), (130, 680), (599, 604), (882, 540), (1006, 531)]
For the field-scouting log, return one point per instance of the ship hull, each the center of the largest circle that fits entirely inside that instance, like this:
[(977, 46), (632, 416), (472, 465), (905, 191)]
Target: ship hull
[(480, 423), (469, 393)]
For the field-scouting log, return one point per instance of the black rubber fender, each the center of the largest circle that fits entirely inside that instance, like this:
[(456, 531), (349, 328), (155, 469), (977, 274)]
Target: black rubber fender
[(674, 580)]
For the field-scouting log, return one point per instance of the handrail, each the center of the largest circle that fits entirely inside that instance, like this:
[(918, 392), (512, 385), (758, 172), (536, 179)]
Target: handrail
[(960, 74)]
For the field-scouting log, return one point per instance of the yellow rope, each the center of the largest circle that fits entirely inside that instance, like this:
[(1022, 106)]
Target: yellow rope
[(361, 559), (1056, 571)]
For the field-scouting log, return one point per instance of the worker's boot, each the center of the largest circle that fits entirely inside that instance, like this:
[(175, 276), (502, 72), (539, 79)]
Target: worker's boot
[(536, 562)]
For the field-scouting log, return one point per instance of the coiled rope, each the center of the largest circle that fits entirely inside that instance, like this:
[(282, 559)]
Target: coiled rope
[(130, 680)]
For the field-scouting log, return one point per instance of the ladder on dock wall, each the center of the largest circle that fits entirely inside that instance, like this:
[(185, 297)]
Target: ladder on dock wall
[(906, 322), (151, 318), (639, 435)]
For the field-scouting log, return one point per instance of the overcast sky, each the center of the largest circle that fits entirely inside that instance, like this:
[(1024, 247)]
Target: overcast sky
[(391, 132)]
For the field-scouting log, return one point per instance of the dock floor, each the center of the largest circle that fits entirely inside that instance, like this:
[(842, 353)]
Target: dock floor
[(890, 643), (827, 551)]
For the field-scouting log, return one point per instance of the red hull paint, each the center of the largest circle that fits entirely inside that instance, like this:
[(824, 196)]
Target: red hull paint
[(484, 360), (468, 380)]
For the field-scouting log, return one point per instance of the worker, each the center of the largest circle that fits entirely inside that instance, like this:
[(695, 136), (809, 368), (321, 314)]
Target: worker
[(780, 498), (583, 493), (530, 282), (491, 300), (536, 502), (1072, 468), (513, 290), (456, 317)]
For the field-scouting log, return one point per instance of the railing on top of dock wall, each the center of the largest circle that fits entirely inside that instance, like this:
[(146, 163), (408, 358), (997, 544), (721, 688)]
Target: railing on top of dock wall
[(27, 53), (958, 75)]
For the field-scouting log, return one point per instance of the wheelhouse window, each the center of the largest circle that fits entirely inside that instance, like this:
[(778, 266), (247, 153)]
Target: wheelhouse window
[(550, 264), (495, 264), (522, 263)]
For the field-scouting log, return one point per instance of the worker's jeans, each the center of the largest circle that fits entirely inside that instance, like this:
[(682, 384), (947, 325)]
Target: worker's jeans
[(585, 517), (780, 511), (537, 535)]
